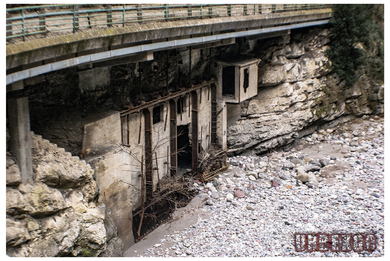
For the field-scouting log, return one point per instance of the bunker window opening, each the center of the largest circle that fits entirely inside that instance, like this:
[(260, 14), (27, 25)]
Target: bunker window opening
[(246, 79), (157, 114)]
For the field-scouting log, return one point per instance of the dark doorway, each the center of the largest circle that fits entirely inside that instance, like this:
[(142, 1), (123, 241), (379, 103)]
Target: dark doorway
[(148, 153), (184, 150), (213, 114), (173, 136), (228, 80)]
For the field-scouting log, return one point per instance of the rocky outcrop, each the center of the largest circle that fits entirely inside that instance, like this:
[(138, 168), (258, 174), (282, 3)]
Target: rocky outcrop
[(56, 215), (296, 93)]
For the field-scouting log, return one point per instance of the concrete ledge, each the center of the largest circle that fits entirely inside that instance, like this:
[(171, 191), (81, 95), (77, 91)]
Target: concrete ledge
[(94, 40), (17, 76)]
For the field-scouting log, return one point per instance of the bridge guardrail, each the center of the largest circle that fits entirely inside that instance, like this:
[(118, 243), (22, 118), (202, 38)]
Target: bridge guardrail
[(23, 23)]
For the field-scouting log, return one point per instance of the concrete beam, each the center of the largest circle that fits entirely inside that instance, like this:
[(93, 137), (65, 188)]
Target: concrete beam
[(19, 129), (113, 54), (140, 57), (139, 33), (269, 35)]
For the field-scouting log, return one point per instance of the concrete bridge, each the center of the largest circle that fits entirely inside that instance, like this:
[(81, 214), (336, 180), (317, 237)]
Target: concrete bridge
[(45, 39)]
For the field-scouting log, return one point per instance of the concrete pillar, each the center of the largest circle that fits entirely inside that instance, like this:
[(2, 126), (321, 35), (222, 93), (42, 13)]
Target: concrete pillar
[(19, 130)]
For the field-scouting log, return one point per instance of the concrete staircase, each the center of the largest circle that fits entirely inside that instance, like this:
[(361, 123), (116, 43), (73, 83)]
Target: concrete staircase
[(42, 147)]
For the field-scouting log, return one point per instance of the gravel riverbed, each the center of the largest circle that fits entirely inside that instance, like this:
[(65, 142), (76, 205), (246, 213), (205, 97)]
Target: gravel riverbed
[(331, 181)]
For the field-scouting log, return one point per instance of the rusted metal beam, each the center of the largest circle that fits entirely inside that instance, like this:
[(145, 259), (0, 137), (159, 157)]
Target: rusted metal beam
[(166, 98)]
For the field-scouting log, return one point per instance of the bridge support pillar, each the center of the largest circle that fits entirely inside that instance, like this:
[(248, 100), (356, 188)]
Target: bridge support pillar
[(19, 129)]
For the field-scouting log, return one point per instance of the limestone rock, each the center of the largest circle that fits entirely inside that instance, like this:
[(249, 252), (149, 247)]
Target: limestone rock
[(15, 203), (229, 197), (302, 177), (13, 177), (301, 170), (312, 167), (63, 175), (239, 194), (114, 248), (288, 165), (324, 162), (297, 161), (312, 179), (252, 174), (16, 233), (43, 199)]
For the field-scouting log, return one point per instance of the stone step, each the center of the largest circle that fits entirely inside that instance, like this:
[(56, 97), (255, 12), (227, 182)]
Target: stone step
[(68, 154), (40, 143)]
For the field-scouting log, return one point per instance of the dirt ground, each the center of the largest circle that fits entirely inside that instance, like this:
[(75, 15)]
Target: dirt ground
[(182, 218)]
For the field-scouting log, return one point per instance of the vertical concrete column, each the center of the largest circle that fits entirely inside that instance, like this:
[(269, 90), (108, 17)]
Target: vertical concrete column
[(19, 129), (194, 123), (148, 152), (173, 135)]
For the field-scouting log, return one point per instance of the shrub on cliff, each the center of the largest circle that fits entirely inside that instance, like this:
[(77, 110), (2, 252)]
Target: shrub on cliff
[(357, 42)]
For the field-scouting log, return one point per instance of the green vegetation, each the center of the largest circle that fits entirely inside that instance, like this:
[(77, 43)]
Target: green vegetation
[(357, 42), (86, 253)]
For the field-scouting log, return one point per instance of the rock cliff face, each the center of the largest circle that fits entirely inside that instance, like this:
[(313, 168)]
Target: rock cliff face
[(57, 214), (296, 94)]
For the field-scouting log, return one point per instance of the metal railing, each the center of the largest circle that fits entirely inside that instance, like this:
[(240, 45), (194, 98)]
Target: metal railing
[(23, 23)]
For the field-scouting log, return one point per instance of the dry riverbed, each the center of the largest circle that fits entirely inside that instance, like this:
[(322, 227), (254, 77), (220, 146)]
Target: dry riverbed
[(330, 182)]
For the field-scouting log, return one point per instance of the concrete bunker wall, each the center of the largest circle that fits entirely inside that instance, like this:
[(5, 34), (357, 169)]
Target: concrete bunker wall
[(117, 147)]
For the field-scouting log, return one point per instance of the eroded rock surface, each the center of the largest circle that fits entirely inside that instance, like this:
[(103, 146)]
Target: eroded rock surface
[(296, 93), (56, 215)]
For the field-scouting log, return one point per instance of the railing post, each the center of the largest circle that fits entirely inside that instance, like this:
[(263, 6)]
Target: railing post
[(109, 16), (274, 8), (229, 10), (75, 18), (189, 7), (42, 22), (254, 9), (9, 25), (211, 11), (260, 8), (123, 15), (139, 13), (245, 9), (23, 33), (166, 12)]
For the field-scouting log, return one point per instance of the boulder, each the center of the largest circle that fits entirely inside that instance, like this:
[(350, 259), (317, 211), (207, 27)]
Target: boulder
[(239, 194), (288, 165), (15, 203), (312, 179), (13, 177), (114, 248), (312, 167), (63, 175), (16, 233), (229, 197), (302, 177), (42, 199)]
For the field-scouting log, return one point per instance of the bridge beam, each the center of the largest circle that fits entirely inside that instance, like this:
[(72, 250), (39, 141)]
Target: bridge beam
[(19, 129)]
